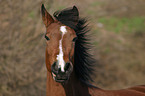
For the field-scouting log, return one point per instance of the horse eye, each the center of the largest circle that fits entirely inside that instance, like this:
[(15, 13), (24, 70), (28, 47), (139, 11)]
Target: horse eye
[(74, 39), (46, 38)]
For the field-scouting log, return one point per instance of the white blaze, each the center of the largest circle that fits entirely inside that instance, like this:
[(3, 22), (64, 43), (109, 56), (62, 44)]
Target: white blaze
[(61, 62)]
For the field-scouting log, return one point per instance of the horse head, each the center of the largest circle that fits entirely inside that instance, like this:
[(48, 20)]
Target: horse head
[(60, 44)]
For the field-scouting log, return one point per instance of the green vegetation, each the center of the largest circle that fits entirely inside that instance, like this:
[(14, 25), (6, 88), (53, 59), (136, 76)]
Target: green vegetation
[(32, 14), (61, 7), (125, 24), (90, 11), (96, 3)]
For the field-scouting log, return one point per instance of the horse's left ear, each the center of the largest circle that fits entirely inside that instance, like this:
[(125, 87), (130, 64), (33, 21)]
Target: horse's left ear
[(76, 14), (75, 9), (46, 17)]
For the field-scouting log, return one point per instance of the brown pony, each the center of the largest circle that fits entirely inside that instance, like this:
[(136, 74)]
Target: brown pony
[(69, 65)]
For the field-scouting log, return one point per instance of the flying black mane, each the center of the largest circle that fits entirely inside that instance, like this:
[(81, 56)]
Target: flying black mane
[(84, 63)]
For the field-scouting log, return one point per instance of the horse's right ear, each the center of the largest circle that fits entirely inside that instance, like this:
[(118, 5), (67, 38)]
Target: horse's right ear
[(46, 17)]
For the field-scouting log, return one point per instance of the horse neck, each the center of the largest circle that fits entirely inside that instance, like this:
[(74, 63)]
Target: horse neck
[(74, 87), (53, 88)]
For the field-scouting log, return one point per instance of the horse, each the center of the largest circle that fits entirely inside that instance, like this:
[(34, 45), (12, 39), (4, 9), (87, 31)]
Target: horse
[(69, 64)]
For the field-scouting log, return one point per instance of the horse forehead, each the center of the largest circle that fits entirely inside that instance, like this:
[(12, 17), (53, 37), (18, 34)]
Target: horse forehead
[(63, 30), (59, 29)]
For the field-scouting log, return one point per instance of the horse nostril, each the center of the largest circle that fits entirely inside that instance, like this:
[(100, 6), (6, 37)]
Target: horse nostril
[(54, 67), (68, 66)]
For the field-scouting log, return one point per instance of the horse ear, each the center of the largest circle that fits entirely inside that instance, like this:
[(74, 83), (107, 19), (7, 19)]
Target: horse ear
[(76, 14), (46, 17), (75, 9)]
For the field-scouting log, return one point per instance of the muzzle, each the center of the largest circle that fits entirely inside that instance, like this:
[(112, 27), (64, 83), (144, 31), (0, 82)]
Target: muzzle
[(60, 76)]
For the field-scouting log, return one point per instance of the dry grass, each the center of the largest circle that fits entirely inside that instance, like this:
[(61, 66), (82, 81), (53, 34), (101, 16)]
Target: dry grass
[(22, 47), (22, 68)]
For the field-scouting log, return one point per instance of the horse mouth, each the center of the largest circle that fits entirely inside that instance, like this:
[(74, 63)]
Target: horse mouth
[(59, 79), (60, 76)]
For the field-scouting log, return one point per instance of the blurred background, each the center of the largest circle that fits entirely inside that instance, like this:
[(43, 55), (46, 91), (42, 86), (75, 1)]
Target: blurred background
[(118, 36)]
